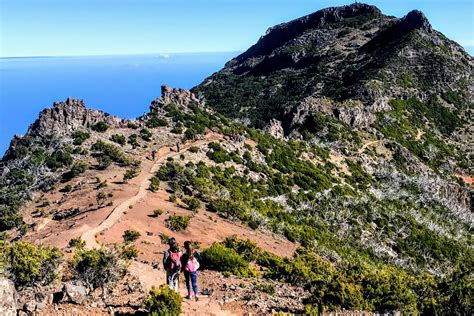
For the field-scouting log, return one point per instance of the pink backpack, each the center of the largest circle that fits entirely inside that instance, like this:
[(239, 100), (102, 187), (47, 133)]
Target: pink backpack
[(192, 265)]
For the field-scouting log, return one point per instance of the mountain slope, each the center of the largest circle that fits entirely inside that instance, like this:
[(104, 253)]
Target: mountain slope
[(350, 197)]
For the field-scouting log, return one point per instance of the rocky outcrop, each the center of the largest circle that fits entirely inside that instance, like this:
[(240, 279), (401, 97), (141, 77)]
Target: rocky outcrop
[(180, 97), (8, 297), (68, 116), (275, 129)]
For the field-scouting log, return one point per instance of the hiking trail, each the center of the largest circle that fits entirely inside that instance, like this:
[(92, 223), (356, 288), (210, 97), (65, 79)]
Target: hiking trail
[(162, 154)]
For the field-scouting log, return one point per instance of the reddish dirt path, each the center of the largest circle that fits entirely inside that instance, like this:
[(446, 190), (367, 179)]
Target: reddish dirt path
[(467, 179)]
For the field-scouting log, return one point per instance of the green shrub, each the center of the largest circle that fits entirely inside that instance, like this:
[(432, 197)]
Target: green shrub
[(133, 140), (77, 243), (129, 252), (177, 222), (130, 174), (219, 258), (145, 134), (59, 159), (109, 152), (97, 267), (100, 127), (132, 125), (154, 184), (172, 198), (154, 121), (192, 203), (130, 235), (78, 168), (247, 249), (28, 264), (163, 301), (80, 137), (119, 139), (164, 238), (217, 153), (265, 288), (157, 212), (193, 149)]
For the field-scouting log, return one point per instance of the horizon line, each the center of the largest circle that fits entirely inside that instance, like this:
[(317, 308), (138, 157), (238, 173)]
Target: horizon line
[(160, 54)]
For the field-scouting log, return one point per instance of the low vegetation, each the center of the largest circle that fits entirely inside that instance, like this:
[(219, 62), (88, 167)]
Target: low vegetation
[(178, 222), (163, 301)]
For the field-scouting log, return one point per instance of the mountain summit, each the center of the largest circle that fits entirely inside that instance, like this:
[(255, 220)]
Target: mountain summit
[(352, 52)]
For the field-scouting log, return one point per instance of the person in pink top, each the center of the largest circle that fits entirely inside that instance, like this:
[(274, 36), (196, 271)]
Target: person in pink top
[(190, 265)]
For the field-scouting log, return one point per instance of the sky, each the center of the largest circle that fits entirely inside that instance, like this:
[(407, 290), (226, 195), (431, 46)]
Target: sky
[(106, 27)]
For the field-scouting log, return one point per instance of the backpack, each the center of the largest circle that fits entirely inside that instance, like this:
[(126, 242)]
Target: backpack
[(192, 265), (172, 262)]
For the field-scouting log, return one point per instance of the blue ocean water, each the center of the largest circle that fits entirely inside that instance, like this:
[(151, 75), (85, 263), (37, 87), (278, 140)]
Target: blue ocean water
[(120, 85)]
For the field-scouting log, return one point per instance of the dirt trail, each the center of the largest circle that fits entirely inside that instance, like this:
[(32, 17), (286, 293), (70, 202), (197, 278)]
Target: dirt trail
[(362, 149), (90, 235)]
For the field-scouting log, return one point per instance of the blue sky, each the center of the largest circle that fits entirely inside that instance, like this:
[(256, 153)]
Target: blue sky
[(102, 27)]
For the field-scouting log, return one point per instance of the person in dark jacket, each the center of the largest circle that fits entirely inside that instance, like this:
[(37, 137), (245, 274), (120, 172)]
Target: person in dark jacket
[(190, 265), (172, 264)]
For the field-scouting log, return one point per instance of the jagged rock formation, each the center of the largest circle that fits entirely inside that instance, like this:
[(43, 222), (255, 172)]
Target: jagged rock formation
[(68, 116), (180, 97)]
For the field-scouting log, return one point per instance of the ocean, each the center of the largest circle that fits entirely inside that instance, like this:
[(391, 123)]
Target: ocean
[(120, 85)]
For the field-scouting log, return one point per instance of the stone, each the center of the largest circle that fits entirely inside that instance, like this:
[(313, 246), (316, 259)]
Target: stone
[(180, 97), (74, 293), (8, 297)]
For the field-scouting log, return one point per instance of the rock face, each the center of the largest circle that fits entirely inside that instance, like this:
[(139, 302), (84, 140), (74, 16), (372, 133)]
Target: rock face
[(343, 53), (8, 297), (68, 116), (181, 97)]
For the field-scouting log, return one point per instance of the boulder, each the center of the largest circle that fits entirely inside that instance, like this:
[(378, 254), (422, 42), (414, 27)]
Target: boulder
[(8, 297), (74, 293)]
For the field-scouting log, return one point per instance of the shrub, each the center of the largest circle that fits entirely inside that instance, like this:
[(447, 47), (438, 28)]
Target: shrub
[(109, 151), (132, 125), (154, 121), (130, 174), (164, 238), (172, 198), (217, 154), (163, 301), (145, 134), (248, 249), (28, 264), (59, 159), (154, 184), (133, 140), (219, 258), (130, 235), (101, 197), (67, 188), (192, 203), (193, 149), (157, 212), (119, 139), (265, 288), (177, 222), (77, 242), (129, 252), (79, 137), (100, 127), (78, 168), (97, 267)]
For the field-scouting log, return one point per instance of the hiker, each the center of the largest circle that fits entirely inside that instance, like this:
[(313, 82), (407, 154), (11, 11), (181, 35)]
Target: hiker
[(172, 264), (153, 154), (190, 265), (177, 146)]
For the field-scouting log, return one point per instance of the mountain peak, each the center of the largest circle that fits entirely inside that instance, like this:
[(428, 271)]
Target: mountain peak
[(280, 34), (417, 20)]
